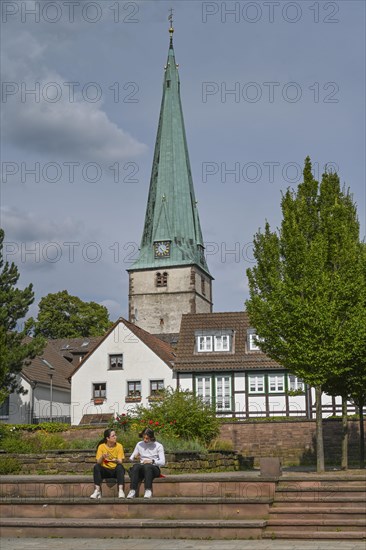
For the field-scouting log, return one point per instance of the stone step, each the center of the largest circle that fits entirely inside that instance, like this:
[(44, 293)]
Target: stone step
[(320, 493), (248, 487), (318, 480), (113, 508), (278, 512), (303, 500), (132, 528), (317, 524), (314, 535)]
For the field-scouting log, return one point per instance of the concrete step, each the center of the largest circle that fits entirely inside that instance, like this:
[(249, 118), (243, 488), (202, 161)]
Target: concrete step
[(113, 508), (134, 528), (207, 485)]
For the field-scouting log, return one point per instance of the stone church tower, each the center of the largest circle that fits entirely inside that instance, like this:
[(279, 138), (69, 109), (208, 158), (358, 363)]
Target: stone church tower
[(171, 276)]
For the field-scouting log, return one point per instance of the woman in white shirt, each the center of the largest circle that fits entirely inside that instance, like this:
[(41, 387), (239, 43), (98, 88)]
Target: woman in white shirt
[(150, 454)]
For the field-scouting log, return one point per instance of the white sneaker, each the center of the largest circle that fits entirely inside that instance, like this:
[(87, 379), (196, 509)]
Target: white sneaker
[(121, 493), (131, 494), (148, 493), (96, 494)]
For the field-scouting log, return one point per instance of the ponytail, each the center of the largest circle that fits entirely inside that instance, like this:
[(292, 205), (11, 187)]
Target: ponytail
[(106, 434)]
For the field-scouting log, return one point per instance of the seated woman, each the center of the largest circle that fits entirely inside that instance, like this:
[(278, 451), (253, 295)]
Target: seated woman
[(109, 463), (151, 455)]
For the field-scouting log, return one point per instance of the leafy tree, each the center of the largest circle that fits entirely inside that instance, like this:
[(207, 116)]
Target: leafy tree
[(14, 304), (64, 316), (303, 293), (353, 386), (180, 413)]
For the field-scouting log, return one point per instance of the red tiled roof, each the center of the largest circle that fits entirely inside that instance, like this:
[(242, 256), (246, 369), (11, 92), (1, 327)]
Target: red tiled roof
[(75, 349), (35, 370), (239, 358)]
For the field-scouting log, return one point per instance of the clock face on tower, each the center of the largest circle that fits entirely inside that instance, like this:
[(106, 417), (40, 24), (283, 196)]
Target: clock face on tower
[(162, 249)]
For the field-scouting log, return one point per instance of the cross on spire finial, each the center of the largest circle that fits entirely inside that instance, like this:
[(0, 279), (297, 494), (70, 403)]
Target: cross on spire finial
[(171, 29)]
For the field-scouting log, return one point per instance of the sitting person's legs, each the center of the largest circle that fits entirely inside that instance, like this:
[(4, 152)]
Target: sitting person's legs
[(136, 475), (150, 473), (118, 473)]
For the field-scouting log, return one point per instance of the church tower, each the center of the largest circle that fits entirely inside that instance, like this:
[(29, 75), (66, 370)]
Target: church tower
[(171, 276)]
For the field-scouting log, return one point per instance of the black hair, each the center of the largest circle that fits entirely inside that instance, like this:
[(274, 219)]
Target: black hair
[(106, 434), (149, 432)]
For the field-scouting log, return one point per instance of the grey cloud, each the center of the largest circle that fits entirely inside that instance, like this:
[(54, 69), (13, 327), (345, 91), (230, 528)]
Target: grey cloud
[(78, 130), (26, 227)]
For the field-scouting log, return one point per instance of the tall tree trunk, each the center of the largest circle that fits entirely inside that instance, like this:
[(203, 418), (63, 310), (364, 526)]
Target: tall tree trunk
[(362, 437), (319, 431), (344, 462)]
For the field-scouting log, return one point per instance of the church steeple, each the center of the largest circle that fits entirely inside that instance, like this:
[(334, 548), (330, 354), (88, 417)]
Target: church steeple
[(171, 214), (171, 276)]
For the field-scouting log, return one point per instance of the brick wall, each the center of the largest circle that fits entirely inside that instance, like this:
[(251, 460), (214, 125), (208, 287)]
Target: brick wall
[(293, 441)]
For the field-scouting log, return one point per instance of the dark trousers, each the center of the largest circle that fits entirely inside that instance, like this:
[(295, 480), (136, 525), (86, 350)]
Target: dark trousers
[(100, 473), (148, 472)]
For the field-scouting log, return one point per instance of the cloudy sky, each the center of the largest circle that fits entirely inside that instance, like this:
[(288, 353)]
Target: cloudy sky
[(263, 85)]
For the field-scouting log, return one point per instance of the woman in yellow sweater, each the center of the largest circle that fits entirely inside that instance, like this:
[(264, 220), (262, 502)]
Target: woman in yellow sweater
[(109, 463)]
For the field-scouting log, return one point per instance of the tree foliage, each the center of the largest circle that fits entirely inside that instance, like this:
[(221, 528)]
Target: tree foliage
[(14, 348), (305, 288), (64, 316)]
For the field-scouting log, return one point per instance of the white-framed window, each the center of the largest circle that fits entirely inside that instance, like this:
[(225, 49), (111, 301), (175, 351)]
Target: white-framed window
[(222, 342), (116, 361), (223, 393), (214, 342), (256, 383), (276, 382), (134, 388), (156, 386), (99, 390), (204, 343), (203, 388), (253, 340), (294, 383)]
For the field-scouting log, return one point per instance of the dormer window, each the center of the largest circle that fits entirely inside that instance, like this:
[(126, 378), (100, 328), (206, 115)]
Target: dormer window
[(204, 343), (222, 342), (214, 340), (252, 340)]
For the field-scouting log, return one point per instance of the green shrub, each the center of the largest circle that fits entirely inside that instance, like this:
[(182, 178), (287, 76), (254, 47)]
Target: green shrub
[(37, 442), (172, 445), (50, 427), (9, 465), (180, 414), (221, 445), (82, 443)]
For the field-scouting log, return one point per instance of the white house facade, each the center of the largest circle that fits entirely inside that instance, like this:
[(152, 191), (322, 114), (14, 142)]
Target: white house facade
[(128, 367)]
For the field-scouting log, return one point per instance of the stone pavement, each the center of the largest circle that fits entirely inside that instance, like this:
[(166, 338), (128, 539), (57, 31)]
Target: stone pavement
[(165, 544)]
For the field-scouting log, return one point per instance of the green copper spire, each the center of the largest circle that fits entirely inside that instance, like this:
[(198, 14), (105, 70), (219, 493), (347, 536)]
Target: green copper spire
[(171, 215)]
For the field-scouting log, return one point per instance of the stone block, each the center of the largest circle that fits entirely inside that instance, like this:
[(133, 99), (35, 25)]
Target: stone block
[(270, 466)]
